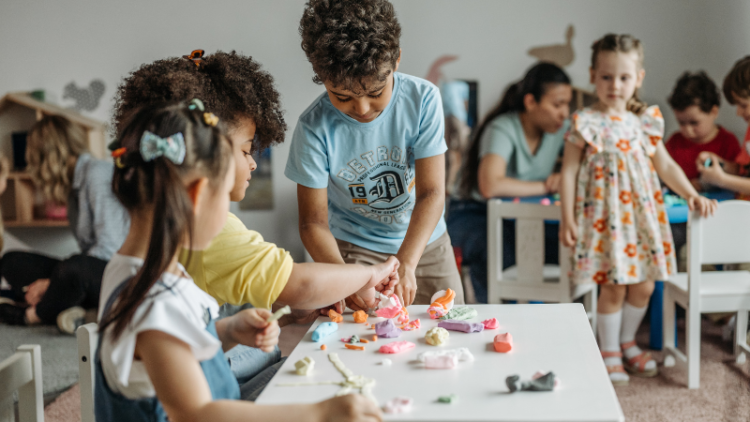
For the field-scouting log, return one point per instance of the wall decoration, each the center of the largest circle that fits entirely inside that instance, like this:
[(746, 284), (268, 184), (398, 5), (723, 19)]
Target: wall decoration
[(559, 54), (87, 98), (259, 193)]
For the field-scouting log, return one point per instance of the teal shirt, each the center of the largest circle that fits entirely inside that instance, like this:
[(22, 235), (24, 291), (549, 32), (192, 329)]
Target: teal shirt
[(504, 136)]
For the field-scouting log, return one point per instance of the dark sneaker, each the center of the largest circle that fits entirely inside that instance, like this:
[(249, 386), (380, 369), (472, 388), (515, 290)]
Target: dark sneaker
[(12, 314), (70, 319)]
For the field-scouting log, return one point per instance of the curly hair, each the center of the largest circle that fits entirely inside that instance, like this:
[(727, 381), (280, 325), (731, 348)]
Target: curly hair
[(349, 42), (737, 81), (622, 43), (695, 89), (231, 85), (52, 142)]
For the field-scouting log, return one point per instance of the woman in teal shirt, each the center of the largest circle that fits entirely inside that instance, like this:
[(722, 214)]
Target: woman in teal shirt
[(513, 154)]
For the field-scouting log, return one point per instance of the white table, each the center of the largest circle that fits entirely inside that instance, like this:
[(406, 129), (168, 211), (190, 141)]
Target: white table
[(554, 337)]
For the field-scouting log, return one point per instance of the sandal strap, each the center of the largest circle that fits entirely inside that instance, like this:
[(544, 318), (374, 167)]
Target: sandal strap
[(611, 369), (641, 360), (606, 354), (628, 345)]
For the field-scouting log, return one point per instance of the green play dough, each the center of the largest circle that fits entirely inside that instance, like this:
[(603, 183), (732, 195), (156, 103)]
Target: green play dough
[(448, 399), (354, 339), (461, 314)]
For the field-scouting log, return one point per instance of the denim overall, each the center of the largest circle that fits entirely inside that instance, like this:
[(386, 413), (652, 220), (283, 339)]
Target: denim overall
[(112, 406)]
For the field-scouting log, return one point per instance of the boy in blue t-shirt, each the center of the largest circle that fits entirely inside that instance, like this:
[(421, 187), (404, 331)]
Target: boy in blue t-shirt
[(368, 154)]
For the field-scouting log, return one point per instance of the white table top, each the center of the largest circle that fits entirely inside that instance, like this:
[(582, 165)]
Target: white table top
[(554, 337)]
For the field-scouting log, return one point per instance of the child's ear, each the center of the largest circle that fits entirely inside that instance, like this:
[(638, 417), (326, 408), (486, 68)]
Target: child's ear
[(195, 188), (592, 73), (714, 112), (398, 61), (641, 75)]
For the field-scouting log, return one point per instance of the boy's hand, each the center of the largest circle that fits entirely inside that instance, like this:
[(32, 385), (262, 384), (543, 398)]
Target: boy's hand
[(712, 174), (705, 155), (568, 233), (348, 408), (703, 205), (406, 290), (249, 327)]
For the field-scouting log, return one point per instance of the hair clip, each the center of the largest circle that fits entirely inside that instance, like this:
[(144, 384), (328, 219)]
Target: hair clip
[(172, 147), (210, 119), (196, 56), (117, 155), (195, 103)]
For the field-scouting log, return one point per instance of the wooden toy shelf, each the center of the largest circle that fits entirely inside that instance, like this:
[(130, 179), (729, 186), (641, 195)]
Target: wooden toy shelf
[(19, 204)]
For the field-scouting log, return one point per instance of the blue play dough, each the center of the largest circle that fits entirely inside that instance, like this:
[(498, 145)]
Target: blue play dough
[(324, 330)]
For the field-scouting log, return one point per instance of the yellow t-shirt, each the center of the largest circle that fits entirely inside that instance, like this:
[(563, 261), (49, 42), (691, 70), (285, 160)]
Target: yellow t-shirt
[(239, 267)]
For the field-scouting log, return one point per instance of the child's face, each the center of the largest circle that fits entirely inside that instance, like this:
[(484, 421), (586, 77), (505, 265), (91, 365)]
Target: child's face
[(553, 108), (743, 107), (363, 107), (695, 124), (211, 209), (241, 135), (616, 77)]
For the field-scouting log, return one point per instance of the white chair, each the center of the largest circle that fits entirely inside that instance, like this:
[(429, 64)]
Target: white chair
[(87, 339), (22, 372), (716, 240), (530, 278)]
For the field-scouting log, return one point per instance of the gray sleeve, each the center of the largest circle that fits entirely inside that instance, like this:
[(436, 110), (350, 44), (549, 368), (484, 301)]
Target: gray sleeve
[(498, 139), (110, 219)]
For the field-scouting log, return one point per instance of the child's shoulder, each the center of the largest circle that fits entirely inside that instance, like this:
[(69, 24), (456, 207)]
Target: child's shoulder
[(316, 110)]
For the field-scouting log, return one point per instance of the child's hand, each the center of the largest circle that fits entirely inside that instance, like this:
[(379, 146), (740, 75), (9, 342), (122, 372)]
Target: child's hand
[(406, 290), (348, 408), (35, 291), (705, 155), (384, 277), (568, 233), (712, 174), (704, 205), (552, 184), (249, 327)]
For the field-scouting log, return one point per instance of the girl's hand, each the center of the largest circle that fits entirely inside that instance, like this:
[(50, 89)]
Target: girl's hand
[(348, 408), (704, 205), (35, 291), (552, 184), (713, 174), (249, 327), (568, 233)]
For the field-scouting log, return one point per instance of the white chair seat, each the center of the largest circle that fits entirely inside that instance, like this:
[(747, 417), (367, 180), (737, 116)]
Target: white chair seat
[(551, 273), (719, 290)]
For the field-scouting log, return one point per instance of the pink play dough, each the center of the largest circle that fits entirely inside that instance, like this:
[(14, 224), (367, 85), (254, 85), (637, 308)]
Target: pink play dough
[(491, 324), (441, 361), (503, 342), (396, 347)]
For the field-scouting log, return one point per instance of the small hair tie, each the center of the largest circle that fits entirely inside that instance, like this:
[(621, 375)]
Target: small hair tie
[(172, 147), (117, 155), (196, 56), (210, 119), (196, 104)]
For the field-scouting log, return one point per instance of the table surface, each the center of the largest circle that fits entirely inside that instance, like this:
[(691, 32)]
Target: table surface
[(554, 337)]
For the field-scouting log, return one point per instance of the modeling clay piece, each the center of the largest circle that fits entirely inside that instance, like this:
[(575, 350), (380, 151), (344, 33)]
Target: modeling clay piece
[(360, 317), (354, 347), (279, 313), (539, 374), (304, 366), (707, 163), (503, 342), (351, 382), (543, 383), (545, 201), (491, 324), (413, 325), (363, 340), (403, 316), (463, 354), (396, 347), (386, 362), (436, 336), (324, 330), (516, 200), (398, 405), (461, 314), (448, 399), (335, 316), (465, 326), (441, 362), (441, 303), (387, 329), (390, 311), (323, 347)]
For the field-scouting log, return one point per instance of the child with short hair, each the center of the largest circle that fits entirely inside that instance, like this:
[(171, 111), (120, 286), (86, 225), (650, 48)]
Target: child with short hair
[(368, 154), (160, 355), (736, 89), (613, 213), (695, 101)]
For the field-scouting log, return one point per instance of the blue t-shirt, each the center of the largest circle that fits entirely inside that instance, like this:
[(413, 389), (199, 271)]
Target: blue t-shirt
[(368, 168)]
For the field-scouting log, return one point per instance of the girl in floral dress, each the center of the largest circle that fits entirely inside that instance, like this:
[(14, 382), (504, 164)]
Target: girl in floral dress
[(613, 214)]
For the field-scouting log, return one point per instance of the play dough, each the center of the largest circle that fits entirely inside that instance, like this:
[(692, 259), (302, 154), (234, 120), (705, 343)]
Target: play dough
[(324, 330), (436, 336), (304, 366), (465, 326), (503, 342), (387, 329), (396, 347), (461, 314)]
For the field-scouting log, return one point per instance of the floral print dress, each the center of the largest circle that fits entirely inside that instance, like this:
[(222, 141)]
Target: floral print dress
[(623, 231)]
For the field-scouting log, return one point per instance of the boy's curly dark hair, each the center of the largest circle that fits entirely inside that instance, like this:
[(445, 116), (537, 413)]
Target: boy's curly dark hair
[(695, 89), (348, 42), (737, 81), (231, 85)]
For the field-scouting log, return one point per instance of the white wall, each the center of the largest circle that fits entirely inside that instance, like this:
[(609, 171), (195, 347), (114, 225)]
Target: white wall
[(46, 44)]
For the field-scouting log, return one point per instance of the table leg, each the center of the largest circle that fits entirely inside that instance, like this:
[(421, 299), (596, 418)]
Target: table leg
[(657, 312)]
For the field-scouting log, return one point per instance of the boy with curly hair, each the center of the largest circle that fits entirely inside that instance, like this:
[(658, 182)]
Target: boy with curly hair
[(368, 154), (239, 267)]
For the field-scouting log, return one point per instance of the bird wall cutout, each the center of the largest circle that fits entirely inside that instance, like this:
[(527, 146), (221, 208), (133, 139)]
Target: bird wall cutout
[(86, 99), (559, 54)]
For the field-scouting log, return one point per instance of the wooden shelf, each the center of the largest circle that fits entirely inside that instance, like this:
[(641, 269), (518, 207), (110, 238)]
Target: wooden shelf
[(35, 223)]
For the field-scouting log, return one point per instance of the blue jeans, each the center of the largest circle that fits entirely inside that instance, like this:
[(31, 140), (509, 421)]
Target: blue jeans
[(467, 227)]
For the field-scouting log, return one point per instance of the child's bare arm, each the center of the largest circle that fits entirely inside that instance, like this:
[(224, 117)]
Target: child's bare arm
[(182, 389), (671, 173), (250, 328), (571, 164), (313, 225), (492, 181)]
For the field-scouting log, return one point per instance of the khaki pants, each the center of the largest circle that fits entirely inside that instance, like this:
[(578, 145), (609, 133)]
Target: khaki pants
[(435, 271)]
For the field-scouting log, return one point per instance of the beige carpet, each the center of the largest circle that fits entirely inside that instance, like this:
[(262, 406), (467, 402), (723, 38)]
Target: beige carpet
[(724, 395)]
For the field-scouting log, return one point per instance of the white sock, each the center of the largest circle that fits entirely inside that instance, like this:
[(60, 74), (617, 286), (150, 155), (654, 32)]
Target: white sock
[(631, 320), (608, 327)]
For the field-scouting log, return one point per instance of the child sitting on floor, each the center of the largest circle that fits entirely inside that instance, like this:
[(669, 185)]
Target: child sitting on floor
[(160, 355)]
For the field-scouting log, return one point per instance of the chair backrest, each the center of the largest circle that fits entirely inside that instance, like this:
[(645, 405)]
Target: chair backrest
[(720, 239), (529, 243), (87, 337), (22, 372)]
